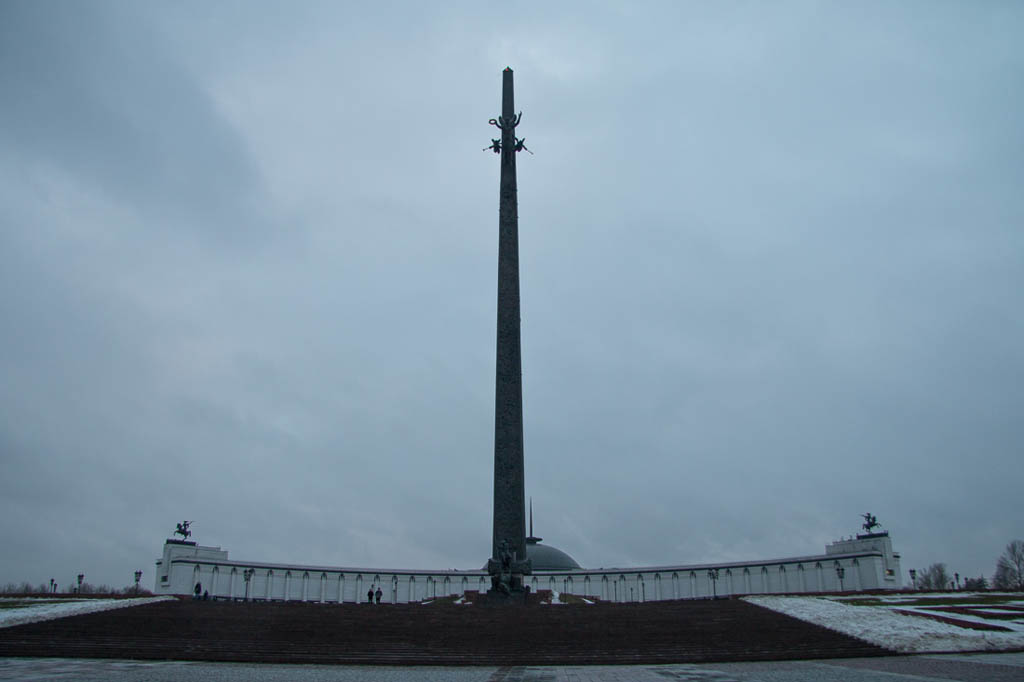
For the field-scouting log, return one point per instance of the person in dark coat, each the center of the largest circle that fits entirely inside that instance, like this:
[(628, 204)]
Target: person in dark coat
[(379, 594), (369, 595)]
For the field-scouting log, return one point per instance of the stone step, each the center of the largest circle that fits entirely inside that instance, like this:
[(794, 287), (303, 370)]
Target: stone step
[(309, 633)]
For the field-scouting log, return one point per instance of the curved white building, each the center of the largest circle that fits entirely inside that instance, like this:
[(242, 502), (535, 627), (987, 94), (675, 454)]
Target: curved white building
[(866, 562)]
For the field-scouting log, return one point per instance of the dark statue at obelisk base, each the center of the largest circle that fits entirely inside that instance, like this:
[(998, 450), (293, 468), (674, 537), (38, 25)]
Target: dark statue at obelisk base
[(508, 563)]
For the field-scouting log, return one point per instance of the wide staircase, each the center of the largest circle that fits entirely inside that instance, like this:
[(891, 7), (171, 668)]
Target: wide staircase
[(438, 633)]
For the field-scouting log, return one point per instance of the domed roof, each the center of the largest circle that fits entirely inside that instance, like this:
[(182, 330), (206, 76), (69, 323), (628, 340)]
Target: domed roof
[(545, 558)]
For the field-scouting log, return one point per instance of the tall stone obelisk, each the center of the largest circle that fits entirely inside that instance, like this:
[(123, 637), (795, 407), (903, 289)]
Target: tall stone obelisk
[(509, 562)]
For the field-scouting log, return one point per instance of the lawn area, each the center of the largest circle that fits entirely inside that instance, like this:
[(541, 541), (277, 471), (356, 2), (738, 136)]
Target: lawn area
[(953, 599), (21, 602), (934, 622), (999, 610)]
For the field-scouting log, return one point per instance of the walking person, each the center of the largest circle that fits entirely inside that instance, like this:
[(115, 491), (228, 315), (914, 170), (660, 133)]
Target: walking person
[(379, 594), (369, 595)]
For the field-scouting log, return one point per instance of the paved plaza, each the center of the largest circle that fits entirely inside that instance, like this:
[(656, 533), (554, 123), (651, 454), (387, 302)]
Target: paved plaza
[(963, 667)]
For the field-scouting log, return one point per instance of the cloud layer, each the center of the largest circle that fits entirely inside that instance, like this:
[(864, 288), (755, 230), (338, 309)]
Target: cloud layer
[(771, 275)]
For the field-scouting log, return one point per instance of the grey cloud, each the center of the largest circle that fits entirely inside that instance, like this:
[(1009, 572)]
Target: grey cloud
[(770, 281)]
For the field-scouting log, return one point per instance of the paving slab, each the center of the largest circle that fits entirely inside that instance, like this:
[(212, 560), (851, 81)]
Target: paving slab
[(960, 668)]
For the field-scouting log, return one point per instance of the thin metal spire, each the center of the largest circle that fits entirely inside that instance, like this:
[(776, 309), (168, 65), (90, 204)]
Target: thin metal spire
[(531, 516)]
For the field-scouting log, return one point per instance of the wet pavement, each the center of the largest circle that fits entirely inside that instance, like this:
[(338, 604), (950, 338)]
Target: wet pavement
[(1008, 667)]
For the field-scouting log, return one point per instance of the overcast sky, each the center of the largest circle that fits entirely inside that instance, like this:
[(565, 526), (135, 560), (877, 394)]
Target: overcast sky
[(772, 264)]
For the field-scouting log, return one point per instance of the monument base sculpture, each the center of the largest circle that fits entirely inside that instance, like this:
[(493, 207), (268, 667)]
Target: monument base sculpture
[(507, 576)]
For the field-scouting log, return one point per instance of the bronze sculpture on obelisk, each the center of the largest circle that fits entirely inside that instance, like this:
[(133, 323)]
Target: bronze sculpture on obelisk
[(508, 563)]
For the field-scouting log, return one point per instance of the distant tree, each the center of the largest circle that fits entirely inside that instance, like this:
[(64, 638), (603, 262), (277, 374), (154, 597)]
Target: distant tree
[(130, 591), (935, 577), (1010, 568), (976, 584)]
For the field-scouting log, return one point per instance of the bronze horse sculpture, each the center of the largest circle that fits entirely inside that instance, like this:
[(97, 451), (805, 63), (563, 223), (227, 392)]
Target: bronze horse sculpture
[(183, 530), (870, 522)]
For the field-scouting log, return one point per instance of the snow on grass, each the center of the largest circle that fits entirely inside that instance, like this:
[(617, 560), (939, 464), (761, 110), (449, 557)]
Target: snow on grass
[(50, 610), (1005, 611), (880, 625), (935, 598), (973, 617)]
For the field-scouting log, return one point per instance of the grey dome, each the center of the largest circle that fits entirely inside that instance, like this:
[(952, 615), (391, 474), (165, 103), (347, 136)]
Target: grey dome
[(545, 558)]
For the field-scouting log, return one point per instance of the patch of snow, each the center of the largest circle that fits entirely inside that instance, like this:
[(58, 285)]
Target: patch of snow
[(880, 625), (966, 617), (913, 596), (51, 611), (37, 599), (586, 601), (555, 597)]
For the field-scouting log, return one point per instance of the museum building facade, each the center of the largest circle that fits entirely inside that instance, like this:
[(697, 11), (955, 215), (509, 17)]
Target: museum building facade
[(864, 563)]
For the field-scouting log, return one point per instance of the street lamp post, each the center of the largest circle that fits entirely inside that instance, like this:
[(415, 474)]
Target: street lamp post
[(138, 577), (713, 576), (78, 589), (913, 578), (53, 586), (957, 576), (840, 573), (247, 576)]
